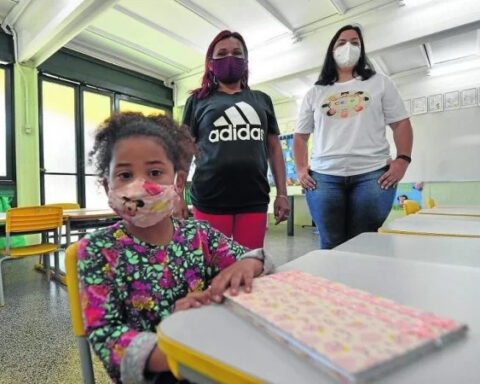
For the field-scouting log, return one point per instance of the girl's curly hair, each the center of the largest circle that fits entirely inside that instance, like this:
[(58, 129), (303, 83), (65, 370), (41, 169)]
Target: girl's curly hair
[(175, 139)]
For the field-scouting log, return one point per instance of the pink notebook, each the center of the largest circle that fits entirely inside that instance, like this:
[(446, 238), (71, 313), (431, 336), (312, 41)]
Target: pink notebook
[(350, 334)]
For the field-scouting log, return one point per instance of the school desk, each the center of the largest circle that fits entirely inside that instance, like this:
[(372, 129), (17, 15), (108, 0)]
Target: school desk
[(431, 249), (436, 225), (453, 211), (212, 344)]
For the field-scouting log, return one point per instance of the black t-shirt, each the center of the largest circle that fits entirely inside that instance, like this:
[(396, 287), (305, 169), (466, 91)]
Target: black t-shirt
[(231, 169)]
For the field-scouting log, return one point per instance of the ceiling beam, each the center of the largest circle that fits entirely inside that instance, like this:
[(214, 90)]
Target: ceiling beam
[(15, 12), (280, 18), (135, 16), (280, 90), (339, 6), (138, 48), (40, 28), (378, 62), (86, 47), (427, 54), (203, 14)]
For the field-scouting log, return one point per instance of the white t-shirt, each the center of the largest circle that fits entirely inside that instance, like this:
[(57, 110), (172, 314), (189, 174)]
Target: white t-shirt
[(348, 124)]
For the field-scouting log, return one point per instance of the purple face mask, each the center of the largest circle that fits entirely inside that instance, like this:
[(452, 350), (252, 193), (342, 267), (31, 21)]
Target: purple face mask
[(229, 69)]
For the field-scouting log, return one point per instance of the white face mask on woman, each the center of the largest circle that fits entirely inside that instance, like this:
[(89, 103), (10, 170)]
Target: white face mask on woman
[(347, 55)]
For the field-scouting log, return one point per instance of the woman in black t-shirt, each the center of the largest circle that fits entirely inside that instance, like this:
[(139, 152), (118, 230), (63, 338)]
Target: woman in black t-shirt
[(237, 133)]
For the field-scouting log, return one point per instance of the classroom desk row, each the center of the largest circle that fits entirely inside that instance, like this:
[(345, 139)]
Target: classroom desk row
[(438, 225), (74, 220), (434, 273)]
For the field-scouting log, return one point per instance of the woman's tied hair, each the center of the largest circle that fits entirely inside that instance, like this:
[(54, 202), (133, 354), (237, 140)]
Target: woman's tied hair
[(175, 139)]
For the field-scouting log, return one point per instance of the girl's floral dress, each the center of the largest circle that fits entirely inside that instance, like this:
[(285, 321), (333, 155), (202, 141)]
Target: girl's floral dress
[(128, 286)]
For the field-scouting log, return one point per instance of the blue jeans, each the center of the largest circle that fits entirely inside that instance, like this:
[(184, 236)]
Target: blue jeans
[(343, 207)]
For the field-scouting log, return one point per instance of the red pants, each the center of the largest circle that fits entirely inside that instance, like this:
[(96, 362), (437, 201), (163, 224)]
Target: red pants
[(247, 229)]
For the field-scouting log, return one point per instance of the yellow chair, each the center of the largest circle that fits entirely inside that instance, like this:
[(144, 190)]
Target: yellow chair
[(30, 220), (410, 206), (67, 206), (76, 314), (430, 203)]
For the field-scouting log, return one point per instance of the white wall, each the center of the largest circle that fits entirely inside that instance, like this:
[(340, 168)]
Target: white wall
[(446, 144)]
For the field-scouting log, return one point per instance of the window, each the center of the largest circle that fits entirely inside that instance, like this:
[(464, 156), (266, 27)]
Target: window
[(58, 143), (96, 108), (3, 127), (6, 131), (70, 114)]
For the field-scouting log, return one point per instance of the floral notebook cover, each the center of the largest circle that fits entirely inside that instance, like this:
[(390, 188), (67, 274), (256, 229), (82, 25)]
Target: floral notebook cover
[(351, 334)]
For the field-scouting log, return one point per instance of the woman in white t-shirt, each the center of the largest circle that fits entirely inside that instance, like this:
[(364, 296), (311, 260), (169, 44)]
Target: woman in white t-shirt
[(351, 180)]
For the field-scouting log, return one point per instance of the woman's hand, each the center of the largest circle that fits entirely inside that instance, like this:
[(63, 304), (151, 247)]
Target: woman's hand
[(395, 173), (281, 209), (239, 273), (192, 300), (306, 181)]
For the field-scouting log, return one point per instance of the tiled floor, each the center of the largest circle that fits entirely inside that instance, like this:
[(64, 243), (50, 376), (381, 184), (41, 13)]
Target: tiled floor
[(36, 341)]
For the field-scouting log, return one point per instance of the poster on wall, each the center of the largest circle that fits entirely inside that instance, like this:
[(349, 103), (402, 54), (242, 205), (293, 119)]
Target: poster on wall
[(469, 98), (408, 191), (435, 103), (286, 141), (419, 105), (452, 100)]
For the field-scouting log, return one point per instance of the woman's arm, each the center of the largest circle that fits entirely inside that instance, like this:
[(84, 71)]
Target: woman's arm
[(403, 138), (300, 155), (277, 164)]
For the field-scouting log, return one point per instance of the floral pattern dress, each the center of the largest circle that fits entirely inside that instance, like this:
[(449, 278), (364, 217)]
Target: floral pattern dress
[(128, 286)]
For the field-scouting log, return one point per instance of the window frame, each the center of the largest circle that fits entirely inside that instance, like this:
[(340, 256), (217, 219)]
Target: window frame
[(79, 88), (10, 178)]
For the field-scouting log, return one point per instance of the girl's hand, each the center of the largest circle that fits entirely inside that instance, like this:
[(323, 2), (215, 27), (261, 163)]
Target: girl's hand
[(392, 177), (192, 300), (240, 272)]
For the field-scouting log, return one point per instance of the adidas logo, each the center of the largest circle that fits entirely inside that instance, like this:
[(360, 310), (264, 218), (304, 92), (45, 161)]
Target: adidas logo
[(239, 122)]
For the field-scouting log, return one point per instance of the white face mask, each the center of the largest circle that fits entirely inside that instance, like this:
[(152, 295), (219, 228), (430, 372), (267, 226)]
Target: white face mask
[(347, 55)]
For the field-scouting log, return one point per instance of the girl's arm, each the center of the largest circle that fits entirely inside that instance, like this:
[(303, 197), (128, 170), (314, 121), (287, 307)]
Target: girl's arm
[(229, 264), (123, 351)]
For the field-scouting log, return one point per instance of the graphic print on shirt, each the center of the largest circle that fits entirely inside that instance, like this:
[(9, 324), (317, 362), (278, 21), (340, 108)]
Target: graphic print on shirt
[(346, 104), (238, 122)]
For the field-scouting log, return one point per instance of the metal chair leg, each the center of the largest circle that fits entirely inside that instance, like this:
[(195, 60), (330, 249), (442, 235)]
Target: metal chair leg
[(86, 360), (2, 297)]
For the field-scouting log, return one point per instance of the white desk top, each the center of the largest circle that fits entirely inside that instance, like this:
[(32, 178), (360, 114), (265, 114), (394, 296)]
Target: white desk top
[(453, 211), (436, 225), (433, 249), (86, 213), (450, 291)]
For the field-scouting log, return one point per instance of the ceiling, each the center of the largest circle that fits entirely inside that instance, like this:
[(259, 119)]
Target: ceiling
[(167, 39)]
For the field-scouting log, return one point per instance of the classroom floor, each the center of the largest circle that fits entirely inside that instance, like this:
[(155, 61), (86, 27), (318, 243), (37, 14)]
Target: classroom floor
[(36, 341)]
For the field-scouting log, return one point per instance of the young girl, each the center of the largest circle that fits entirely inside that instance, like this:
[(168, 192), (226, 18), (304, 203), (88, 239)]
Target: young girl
[(148, 265)]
